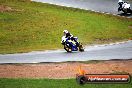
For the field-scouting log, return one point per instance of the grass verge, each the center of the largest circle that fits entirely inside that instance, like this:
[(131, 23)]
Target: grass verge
[(53, 83), (27, 26)]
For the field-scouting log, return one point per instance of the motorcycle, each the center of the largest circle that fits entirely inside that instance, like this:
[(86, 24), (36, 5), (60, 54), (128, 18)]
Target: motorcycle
[(70, 45), (124, 7)]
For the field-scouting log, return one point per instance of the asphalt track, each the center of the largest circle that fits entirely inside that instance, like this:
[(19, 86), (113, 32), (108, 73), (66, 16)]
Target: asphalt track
[(102, 6), (121, 50)]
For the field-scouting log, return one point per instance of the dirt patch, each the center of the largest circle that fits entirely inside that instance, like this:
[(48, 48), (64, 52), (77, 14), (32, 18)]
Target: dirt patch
[(4, 8), (63, 70), (130, 26)]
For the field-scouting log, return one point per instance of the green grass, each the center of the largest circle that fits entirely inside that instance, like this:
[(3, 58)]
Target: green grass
[(53, 83), (37, 26)]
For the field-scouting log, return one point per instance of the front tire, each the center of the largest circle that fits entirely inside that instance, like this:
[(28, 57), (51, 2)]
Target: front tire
[(67, 48)]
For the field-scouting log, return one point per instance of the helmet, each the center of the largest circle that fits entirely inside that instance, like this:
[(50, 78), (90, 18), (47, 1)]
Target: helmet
[(65, 31), (120, 1)]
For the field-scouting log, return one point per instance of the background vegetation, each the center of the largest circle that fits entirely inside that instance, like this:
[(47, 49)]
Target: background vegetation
[(26, 26)]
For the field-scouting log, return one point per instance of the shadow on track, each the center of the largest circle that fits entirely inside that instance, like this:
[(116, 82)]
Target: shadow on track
[(123, 14)]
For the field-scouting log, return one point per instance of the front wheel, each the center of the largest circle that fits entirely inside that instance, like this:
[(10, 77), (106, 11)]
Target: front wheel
[(119, 9), (67, 48)]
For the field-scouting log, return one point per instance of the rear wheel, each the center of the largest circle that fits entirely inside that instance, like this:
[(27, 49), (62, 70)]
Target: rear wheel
[(125, 11), (81, 48), (130, 11)]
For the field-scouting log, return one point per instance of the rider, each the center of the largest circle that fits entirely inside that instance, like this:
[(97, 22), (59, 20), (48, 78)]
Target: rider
[(120, 2), (68, 35)]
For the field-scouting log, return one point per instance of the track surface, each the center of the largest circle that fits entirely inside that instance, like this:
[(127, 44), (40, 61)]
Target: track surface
[(103, 6), (97, 52)]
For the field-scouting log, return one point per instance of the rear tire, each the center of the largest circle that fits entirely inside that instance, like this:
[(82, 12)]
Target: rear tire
[(81, 49), (130, 11)]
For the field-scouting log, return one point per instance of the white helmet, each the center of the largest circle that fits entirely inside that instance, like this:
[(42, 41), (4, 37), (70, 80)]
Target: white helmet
[(65, 31), (120, 1)]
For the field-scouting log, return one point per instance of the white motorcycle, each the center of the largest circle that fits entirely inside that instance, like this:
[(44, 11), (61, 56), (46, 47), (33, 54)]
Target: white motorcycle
[(70, 45), (124, 7)]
